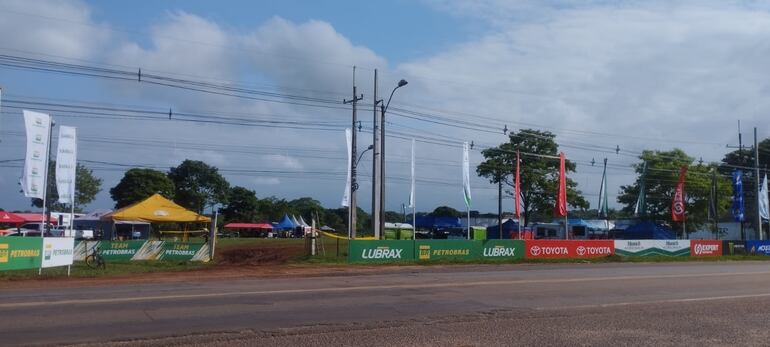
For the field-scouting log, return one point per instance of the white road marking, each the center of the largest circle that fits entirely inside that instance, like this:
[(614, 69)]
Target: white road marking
[(379, 287), (653, 302)]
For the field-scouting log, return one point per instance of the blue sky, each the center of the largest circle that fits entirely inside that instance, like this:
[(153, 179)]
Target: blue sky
[(598, 74)]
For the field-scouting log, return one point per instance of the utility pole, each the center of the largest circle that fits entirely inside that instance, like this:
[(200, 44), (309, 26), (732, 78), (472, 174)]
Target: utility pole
[(740, 158), (353, 209), (756, 179), (382, 166), (375, 167)]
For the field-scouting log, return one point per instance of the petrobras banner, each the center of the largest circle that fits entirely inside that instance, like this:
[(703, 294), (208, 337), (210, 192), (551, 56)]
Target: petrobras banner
[(705, 248), (137, 250), (378, 251), (58, 251), (346, 195), (569, 248), (66, 162), (18, 253), (641, 248), (428, 250), (33, 179)]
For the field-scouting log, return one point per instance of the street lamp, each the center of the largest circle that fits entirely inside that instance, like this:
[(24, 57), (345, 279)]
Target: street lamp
[(383, 109)]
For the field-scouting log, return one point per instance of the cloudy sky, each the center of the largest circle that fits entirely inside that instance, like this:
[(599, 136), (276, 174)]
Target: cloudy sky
[(598, 74)]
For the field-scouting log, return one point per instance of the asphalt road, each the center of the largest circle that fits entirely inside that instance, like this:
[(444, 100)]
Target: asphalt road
[(534, 304)]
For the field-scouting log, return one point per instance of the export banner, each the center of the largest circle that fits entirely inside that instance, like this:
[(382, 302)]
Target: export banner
[(57, 251), (758, 247), (569, 248), (705, 248), (427, 250), (363, 251), (641, 248), (502, 250), (20, 253)]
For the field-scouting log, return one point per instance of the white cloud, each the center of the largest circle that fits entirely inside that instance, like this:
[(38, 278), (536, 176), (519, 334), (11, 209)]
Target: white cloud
[(280, 161), (56, 28), (266, 181)]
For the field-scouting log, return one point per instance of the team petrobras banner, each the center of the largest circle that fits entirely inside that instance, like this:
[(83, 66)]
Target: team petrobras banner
[(677, 205), (66, 164), (33, 179), (739, 212), (143, 250)]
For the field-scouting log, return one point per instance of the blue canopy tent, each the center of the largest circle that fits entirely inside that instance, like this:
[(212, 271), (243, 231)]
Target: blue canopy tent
[(510, 225), (285, 223), (646, 230), (430, 222)]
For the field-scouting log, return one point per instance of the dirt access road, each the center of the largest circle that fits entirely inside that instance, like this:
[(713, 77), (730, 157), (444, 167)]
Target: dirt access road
[(694, 303)]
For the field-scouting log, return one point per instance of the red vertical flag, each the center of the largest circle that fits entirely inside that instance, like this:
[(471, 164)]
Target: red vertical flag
[(517, 189), (677, 205), (561, 198)]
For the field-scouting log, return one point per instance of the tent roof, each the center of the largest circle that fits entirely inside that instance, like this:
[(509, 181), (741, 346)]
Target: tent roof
[(93, 216), (10, 218), (248, 226), (36, 218), (285, 223), (302, 222), (156, 209)]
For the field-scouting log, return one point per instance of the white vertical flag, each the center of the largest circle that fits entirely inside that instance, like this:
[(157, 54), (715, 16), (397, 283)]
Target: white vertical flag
[(763, 203), (33, 180), (66, 164), (466, 176), (411, 192), (346, 197)]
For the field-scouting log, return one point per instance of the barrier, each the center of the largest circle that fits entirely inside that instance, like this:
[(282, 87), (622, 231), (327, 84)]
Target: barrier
[(18, 253), (57, 251), (502, 250), (375, 251), (641, 248), (758, 247), (447, 250), (143, 250), (705, 248), (568, 248)]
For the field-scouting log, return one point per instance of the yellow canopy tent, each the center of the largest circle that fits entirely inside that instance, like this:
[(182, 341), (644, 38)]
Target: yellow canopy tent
[(156, 209)]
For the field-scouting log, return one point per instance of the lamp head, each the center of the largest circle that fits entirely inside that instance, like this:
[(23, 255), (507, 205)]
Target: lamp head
[(402, 83)]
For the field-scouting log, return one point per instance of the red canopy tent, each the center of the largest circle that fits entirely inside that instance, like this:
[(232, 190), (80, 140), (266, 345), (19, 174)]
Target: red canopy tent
[(11, 218), (248, 226), (36, 218)]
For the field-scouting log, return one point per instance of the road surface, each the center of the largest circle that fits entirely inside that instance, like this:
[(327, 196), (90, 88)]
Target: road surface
[(706, 303)]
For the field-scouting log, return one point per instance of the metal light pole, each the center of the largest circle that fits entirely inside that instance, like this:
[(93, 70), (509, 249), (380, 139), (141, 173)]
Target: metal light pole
[(756, 180), (383, 109), (375, 167), (352, 208)]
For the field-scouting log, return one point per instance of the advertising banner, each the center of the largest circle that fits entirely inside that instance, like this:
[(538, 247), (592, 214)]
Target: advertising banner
[(37, 127), (705, 248), (66, 161), (58, 251), (569, 248), (20, 253), (502, 250), (641, 248), (758, 247), (427, 250), (143, 250), (363, 251), (734, 247)]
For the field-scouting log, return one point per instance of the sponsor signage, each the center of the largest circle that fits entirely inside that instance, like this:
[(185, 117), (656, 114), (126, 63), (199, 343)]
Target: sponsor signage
[(641, 248), (428, 250), (502, 249), (758, 247), (180, 251), (20, 253), (705, 248), (58, 251), (569, 248), (733, 247), (377, 251), (143, 250)]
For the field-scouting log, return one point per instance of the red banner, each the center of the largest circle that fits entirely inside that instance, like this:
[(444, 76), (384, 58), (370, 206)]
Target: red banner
[(517, 189), (569, 249), (705, 248), (677, 205), (561, 197)]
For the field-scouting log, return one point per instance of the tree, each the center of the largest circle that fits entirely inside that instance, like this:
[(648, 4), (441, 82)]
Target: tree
[(660, 182), (242, 206), (86, 188), (139, 184), (198, 185), (539, 175), (446, 211)]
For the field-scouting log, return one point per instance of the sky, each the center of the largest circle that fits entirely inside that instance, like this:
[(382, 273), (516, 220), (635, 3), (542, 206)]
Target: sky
[(600, 75)]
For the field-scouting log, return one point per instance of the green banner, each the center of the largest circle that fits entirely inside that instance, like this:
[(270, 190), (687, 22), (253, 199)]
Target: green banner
[(428, 250), (502, 250), (119, 250), (378, 251), (180, 251), (143, 250), (20, 253)]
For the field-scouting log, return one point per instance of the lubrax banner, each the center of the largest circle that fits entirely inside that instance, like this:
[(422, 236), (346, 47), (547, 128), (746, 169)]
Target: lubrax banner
[(363, 251)]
